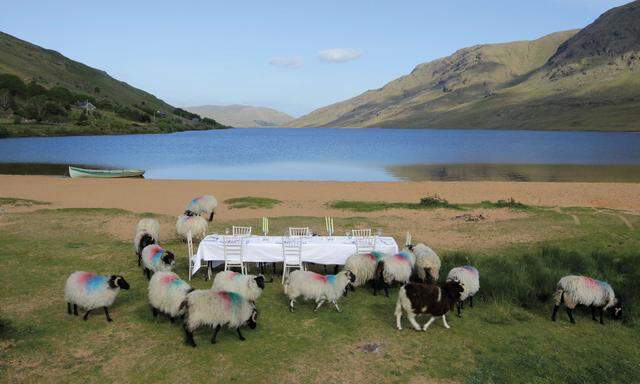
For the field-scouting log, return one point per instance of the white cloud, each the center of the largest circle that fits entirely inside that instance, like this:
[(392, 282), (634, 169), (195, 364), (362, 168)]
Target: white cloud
[(286, 62), (339, 55)]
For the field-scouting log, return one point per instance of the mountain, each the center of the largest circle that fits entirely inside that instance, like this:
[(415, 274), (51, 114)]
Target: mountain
[(579, 80), (43, 92), (243, 115)]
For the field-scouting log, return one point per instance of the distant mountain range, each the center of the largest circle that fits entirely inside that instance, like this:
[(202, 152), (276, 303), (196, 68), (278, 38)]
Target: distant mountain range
[(245, 116), (585, 79)]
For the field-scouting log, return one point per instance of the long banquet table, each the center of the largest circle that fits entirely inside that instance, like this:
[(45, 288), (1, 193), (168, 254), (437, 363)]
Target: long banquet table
[(268, 249)]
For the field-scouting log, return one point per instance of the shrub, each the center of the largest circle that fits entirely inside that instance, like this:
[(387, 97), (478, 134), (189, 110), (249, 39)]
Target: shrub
[(434, 202)]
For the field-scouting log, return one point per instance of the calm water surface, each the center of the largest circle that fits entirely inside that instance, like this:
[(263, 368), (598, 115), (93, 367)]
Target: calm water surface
[(348, 154)]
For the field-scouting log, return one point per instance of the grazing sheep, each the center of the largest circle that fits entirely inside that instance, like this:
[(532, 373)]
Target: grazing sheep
[(91, 291), (215, 309), (248, 286), (150, 226), (166, 292), (321, 288), (427, 268), (203, 206), (140, 241), (469, 278), (393, 268), (363, 266), (420, 298), (191, 222), (156, 259), (583, 290)]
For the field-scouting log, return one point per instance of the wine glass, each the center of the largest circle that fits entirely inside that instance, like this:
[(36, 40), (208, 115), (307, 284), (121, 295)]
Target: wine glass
[(379, 232)]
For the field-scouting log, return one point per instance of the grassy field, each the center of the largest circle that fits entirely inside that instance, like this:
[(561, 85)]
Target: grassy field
[(507, 337)]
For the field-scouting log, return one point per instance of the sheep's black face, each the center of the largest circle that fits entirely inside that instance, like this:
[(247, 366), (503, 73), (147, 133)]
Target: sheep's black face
[(410, 247), (189, 213), (147, 239), (168, 258), (351, 276), (616, 311), (260, 281), (118, 281), (253, 320)]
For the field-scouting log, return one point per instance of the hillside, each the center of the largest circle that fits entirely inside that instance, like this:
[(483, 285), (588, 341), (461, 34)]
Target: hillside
[(43, 92), (243, 115), (580, 80)]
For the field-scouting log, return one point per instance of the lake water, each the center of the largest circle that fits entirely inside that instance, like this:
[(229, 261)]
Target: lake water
[(348, 154)]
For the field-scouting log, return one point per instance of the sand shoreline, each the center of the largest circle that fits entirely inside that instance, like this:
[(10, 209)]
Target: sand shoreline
[(306, 198)]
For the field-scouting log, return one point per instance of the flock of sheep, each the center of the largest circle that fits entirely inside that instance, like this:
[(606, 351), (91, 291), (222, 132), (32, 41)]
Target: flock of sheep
[(231, 301)]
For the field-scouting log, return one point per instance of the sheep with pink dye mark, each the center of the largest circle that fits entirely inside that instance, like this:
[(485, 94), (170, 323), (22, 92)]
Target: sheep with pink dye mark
[(248, 286), (393, 268), (583, 290), (90, 291), (321, 288), (204, 205), (363, 266), (147, 232), (156, 259), (166, 292), (469, 278)]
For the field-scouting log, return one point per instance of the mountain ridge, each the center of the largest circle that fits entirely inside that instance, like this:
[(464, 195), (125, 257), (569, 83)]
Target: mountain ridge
[(245, 116)]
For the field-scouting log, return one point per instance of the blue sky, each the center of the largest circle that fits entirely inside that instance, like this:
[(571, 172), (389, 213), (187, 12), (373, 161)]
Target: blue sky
[(291, 55)]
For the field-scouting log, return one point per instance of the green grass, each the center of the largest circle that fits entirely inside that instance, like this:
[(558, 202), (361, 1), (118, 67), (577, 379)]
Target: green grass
[(428, 202), (506, 337), (252, 202), (16, 202), (510, 203)]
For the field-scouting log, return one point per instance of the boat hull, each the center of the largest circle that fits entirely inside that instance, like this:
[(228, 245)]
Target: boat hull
[(76, 172)]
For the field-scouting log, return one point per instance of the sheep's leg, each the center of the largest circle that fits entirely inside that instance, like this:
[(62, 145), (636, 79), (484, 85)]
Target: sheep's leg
[(601, 310), (147, 272), (291, 304), (154, 311), (386, 290), (86, 315), (570, 313), (398, 314), (106, 313), (319, 304), (593, 313), (240, 334), (69, 308), (139, 260), (172, 319), (412, 319), (211, 217), (336, 304), (189, 336), (459, 308), (75, 309), (555, 312), (427, 324), (471, 301), (444, 321), (353, 289), (215, 334)]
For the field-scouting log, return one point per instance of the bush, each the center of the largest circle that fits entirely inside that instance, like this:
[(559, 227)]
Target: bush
[(434, 202), (14, 84), (510, 203)]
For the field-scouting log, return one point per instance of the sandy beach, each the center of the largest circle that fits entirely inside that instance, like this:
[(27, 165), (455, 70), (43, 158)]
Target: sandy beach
[(306, 198)]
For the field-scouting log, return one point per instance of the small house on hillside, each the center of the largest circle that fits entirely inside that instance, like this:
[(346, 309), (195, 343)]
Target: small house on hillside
[(86, 105)]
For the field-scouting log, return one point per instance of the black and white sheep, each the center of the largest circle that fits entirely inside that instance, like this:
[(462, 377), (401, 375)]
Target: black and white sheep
[(427, 267), (420, 298), (469, 278), (248, 286), (321, 288), (156, 259), (392, 268), (90, 291), (363, 266), (166, 292), (189, 222), (583, 290), (215, 309), (203, 206), (140, 241)]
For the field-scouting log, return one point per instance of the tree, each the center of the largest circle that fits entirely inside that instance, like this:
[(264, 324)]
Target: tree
[(35, 107)]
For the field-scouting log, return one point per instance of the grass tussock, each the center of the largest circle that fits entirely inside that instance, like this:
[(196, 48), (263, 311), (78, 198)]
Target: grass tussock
[(428, 202), (252, 202), (15, 202), (510, 203)]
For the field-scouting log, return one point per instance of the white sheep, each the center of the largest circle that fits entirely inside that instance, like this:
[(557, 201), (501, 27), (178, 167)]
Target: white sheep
[(156, 259), (321, 288), (248, 286), (90, 291), (469, 278), (203, 206), (427, 268), (140, 241), (392, 268), (166, 292), (215, 309), (583, 290), (152, 226), (363, 266), (196, 224)]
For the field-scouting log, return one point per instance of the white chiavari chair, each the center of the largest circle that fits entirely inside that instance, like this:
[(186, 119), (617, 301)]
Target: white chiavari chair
[(241, 231), (233, 247), (361, 232), (291, 255), (299, 231)]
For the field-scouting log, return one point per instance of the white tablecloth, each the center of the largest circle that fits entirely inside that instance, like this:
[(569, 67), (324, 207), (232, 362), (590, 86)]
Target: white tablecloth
[(315, 249)]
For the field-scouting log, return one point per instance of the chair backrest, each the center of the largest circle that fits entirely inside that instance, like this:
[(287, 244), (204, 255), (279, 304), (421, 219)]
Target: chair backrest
[(365, 244), (232, 249), (190, 253), (241, 231), (299, 231), (292, 250), (361, 232)]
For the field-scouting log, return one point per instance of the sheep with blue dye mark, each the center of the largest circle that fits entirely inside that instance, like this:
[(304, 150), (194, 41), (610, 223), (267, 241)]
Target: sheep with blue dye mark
[(190, 222), (469, 278), (166, 292), (156, 259), (363, 266), (321, 288), (90, 291), (248, 286), (393, 268), (427, 267), (208, 307), (203, 206), (583, 290)]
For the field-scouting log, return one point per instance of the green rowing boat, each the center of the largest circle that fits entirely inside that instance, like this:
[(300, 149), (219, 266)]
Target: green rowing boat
[(76, 172)]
